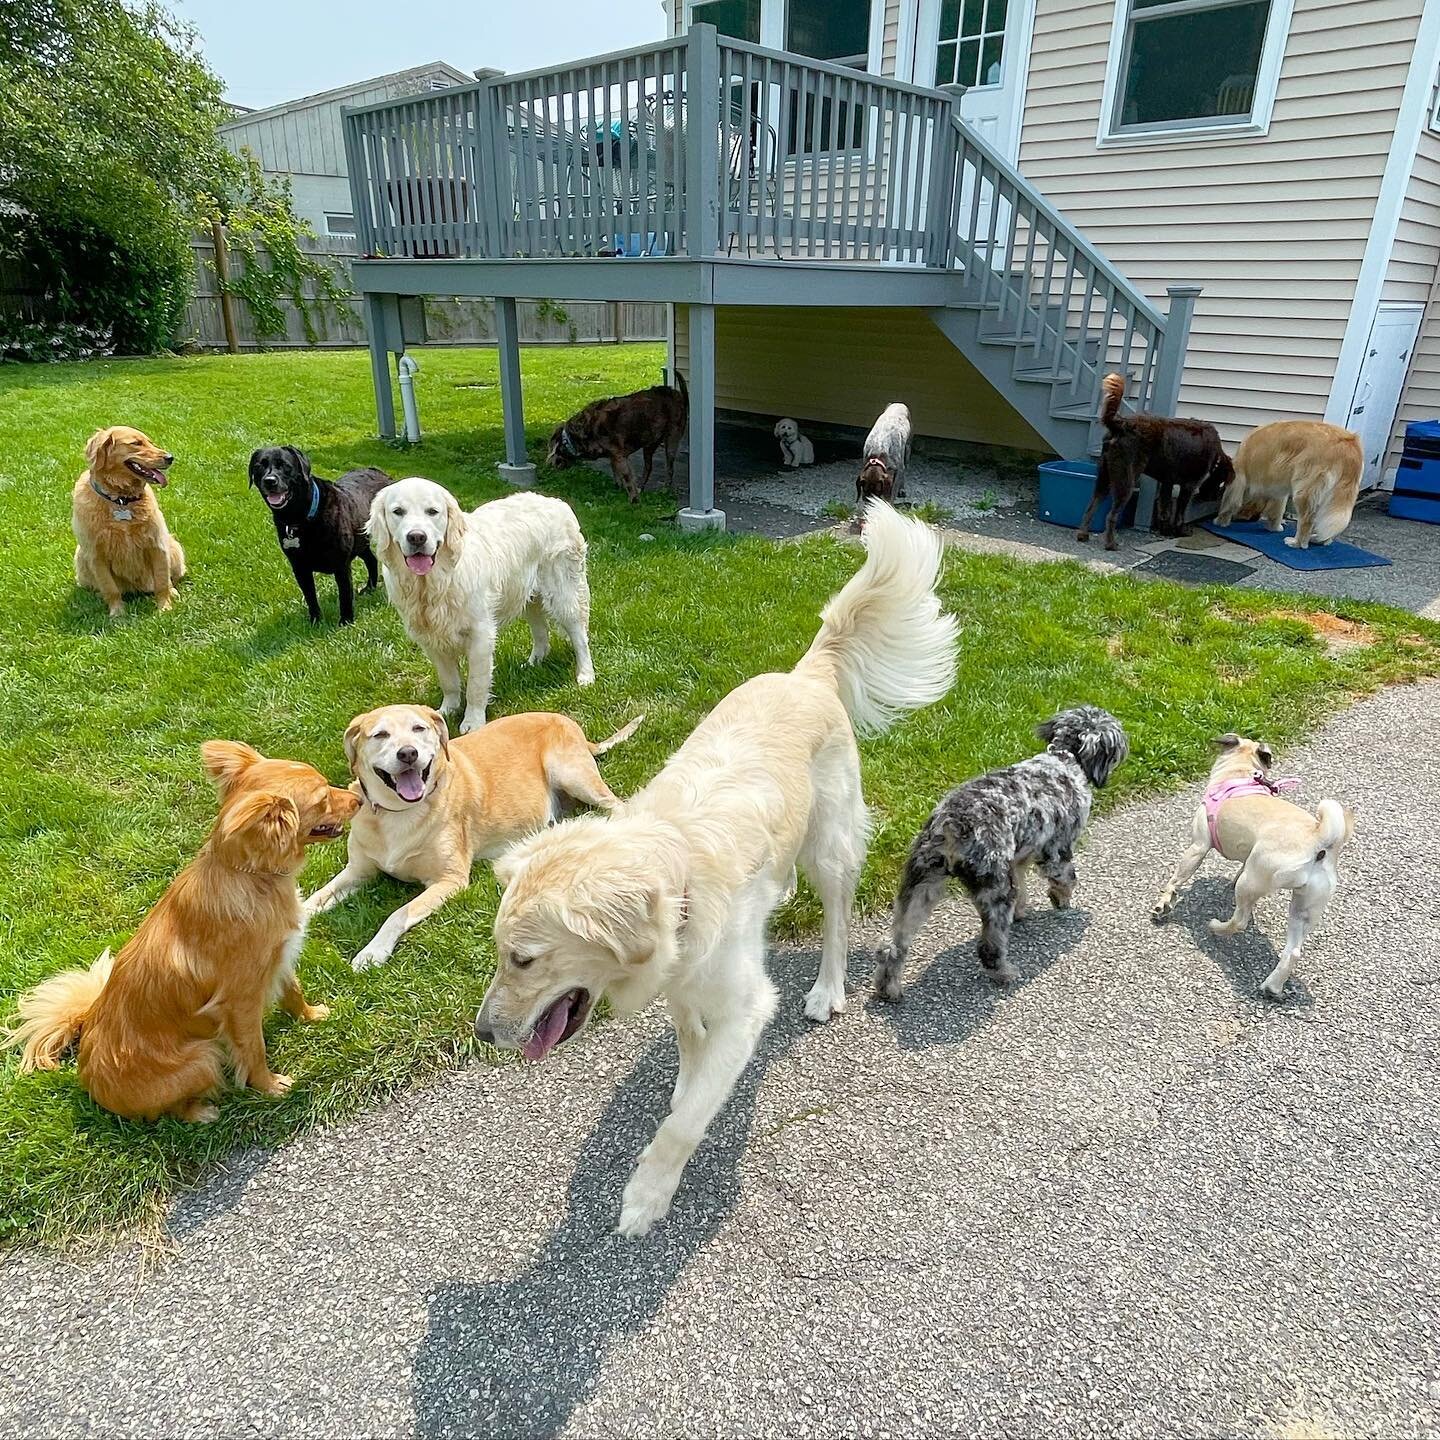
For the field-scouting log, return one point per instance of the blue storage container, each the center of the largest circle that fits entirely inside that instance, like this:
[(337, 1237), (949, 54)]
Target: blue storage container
[(1417, 478), (1415, 507), (1065, 490)]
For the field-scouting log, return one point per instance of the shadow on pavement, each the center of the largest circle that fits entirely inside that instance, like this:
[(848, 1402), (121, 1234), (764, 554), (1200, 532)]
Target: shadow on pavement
[(514, 1358)]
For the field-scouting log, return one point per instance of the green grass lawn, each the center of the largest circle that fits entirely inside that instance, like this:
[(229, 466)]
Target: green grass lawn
[(102, 797)]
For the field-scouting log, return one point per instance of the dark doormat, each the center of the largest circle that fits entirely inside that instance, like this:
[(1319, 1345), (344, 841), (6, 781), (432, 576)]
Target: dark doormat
[(1195, 569)]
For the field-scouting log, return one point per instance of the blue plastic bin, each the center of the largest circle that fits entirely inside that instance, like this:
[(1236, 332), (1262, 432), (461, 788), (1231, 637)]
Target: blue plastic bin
[(1065, 490)]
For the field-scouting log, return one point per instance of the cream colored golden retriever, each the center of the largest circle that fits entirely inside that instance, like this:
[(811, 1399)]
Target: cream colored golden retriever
[(456, 579), (122, 544), (1319, 465), (670, 895)]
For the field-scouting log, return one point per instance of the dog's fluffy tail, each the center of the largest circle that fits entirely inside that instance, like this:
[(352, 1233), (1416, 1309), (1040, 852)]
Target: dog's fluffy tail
[(619, 737), (1335, 826), (1112, 392), (51, 1015), (884, 642)]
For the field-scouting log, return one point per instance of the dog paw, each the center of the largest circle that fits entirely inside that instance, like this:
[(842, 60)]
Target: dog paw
[(584, 677), (1293, 542), (645, 1202), (276, 1087), (1222, 927), (821, 1004), (117, 609), (201, 1115), (538, 657), (472, 721), (369, 958), (1161, 911), (313, 1014), (449, 704)]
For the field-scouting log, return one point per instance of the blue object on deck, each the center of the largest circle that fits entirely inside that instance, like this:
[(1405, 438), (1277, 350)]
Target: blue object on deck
[(1337, 555), (1417, 479), (1065, 490), (630, 246)]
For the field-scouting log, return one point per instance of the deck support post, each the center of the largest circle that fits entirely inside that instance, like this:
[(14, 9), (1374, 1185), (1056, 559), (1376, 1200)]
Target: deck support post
[(1168, 373), (382, 328), (701, 513), (516, 468)]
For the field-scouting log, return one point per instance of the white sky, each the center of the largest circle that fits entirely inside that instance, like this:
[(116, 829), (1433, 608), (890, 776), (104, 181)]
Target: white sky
[(267, 51)]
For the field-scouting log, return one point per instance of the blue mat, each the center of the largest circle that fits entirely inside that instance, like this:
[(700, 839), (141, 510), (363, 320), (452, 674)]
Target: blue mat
[(1337, 555)]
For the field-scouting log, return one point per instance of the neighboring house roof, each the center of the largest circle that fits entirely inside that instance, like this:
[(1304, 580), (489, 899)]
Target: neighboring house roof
[(327, 97)]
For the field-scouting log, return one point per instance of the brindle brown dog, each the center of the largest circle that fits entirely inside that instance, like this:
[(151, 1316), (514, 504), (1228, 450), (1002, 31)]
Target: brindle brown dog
[(616, 428)]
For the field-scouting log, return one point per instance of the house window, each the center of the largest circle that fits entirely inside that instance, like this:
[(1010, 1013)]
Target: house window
[(1195, 64), (740, 19), (339, 224), (825, 30), (971, 51)]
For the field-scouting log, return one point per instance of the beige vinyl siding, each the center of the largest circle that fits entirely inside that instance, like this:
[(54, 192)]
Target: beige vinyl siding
[(1414, 275), (843, 366), (890, 45), (1273, 227)]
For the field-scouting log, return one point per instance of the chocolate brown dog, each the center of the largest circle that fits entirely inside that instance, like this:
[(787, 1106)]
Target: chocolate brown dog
[(615, 429)]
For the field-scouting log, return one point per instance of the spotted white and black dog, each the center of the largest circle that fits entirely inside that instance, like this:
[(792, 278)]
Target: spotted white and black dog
[(986, 831)]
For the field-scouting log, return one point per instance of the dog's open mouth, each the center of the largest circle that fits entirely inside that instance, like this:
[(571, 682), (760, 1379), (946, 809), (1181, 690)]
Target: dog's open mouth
[(278, 501), (328, 832), (155, 477), (558, 1023), (419, 563), (408, 784)]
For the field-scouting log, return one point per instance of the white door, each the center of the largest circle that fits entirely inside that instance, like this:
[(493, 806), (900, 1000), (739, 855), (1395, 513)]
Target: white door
[(1382, 377), (985, 46)]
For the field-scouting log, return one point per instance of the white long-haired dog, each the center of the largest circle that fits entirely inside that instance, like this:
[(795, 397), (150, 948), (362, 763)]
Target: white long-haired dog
[(457, 578), (795, 449), (670, 896)]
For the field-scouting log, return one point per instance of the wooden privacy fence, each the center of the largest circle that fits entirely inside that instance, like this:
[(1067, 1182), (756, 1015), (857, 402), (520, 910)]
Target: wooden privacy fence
[(447, 321)]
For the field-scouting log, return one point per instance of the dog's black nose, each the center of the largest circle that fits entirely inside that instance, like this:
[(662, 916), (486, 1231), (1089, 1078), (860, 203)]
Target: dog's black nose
[(407, 754), (167, 459), (416, 538), (483, 1033)]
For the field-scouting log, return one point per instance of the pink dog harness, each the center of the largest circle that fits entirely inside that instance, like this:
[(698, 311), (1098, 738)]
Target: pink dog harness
[(1258, 784)]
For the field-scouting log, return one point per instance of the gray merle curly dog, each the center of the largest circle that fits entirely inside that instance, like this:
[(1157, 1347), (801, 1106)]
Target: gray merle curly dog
[(986, 831)]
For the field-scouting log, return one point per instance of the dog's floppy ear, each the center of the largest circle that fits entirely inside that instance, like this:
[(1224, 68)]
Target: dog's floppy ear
[(1228, 741), (352, 743), (437, 721), (1046, 728), (779, 428), (1264, 754), (97, 450), (255, 468), (381, 540), (264, 826), (227, 760), (301, 459), (454, 541)]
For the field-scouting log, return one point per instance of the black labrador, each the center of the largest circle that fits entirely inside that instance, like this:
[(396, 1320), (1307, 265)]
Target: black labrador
[(320, 523)]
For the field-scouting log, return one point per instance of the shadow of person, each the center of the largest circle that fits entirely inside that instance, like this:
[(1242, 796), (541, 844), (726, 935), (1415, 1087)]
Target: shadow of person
[(514, 1358), (1244, 959), (953, 997)]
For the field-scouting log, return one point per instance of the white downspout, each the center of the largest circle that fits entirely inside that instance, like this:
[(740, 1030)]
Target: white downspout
[(407, 367)]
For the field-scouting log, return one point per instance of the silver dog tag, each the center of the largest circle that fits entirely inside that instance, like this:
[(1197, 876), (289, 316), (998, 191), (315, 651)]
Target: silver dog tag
[(123, 515), (290, 542)]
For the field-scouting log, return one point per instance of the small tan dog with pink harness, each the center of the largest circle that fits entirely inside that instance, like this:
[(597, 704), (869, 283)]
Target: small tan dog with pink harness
[(1282, 847)]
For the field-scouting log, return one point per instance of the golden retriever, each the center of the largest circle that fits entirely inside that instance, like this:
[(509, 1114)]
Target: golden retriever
[(122, 543), (1317, 464), (670, 895), (432, 806), (456, 579), (192, 987)]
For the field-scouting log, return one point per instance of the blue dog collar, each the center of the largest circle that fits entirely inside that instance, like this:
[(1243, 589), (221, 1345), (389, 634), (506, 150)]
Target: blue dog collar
[(314, 499)]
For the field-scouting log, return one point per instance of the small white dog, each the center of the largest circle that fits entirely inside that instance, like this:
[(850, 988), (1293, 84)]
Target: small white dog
[(670, 894), (794, 447), (1282, 846), (456, 579)]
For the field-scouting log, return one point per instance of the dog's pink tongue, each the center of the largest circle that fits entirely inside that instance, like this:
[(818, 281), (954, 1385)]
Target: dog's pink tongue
[(548, 1031), (420, 564), (409, 785)]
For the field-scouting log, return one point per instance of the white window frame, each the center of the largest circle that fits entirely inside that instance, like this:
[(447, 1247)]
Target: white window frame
[(1187, 132), (772, 29), (1434, 121), (340, 215)]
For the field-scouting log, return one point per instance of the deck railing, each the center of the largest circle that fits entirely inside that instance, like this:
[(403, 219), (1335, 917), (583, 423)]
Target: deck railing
[(701, 146)]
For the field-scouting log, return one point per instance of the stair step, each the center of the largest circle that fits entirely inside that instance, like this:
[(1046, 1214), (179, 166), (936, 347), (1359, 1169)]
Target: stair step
[(1043, 375), (1084, 411)]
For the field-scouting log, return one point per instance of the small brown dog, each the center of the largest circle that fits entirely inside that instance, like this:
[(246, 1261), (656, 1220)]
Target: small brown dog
[(121, 539), (1319, 465), (434, 806), (615, 429), (1184, 457), (191, 989)]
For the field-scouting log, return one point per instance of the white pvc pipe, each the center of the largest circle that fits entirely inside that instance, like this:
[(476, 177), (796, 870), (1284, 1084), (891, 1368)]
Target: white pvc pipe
[(407, 367)]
